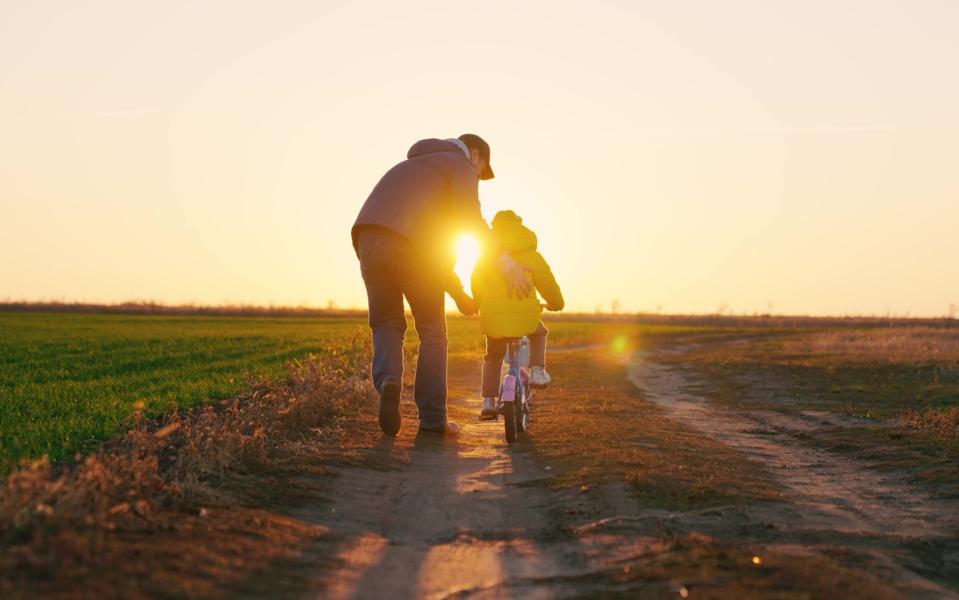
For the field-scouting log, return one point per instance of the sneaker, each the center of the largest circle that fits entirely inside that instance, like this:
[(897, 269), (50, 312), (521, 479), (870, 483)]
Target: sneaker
[(538, 377), (390, 407), (488, 412), (450, 428)]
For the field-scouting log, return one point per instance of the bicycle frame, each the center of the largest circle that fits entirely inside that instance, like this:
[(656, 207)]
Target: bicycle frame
[(515, 390)]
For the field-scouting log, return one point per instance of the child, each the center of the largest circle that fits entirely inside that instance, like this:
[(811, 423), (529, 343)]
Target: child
[(502, 316)]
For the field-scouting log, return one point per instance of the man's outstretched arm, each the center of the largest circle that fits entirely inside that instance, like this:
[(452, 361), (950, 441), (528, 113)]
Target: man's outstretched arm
[(454, 288)]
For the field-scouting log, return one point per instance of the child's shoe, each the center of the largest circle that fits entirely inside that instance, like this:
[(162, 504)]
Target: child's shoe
[(488, 412), (538, 377)]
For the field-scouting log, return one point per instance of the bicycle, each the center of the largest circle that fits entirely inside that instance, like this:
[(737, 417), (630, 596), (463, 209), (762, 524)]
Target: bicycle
[(515, 391)]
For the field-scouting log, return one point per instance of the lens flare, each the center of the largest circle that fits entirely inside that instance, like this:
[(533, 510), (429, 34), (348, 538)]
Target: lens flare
[(620, 343), (467, 253)]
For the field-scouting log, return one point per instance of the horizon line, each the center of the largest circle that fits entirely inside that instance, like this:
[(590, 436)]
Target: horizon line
[(147, 307)]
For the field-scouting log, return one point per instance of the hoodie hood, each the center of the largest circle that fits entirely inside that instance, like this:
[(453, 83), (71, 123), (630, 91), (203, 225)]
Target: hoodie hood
[(511, 234), (433, 145)]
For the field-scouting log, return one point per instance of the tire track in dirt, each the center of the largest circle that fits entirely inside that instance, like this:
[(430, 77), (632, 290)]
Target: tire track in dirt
[(832, 499)]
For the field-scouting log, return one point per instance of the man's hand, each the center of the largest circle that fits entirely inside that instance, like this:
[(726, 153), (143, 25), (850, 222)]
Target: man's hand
[(549, 306), (517, 286), (465, 305)]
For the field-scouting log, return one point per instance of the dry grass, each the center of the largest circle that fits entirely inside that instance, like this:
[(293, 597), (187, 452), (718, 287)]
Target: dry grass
[(179, 480), (943, 423), (888, 344)]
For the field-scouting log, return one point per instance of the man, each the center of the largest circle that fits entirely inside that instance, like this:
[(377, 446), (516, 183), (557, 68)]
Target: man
[(403, 238)]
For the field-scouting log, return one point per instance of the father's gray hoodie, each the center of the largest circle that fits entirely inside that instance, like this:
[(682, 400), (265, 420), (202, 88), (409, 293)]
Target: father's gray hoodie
[(428, 199)]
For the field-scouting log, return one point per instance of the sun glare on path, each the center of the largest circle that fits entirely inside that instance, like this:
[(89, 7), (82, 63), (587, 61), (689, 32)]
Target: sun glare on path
[(467, 253)]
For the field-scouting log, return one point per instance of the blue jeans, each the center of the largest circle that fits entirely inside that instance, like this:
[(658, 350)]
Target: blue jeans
[(393, 269)]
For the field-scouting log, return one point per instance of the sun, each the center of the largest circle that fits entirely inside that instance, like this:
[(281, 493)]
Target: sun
[(467, 253)]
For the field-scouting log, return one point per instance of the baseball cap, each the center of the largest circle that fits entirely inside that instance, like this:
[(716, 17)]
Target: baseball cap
[(474, 141)]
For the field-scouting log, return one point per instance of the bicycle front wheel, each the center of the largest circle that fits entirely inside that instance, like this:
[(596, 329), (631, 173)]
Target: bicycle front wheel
[(509, 420)]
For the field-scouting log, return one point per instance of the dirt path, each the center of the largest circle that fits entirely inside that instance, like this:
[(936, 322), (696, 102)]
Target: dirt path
[(460, 518), (833, 500), (472, 517), (457, 519)]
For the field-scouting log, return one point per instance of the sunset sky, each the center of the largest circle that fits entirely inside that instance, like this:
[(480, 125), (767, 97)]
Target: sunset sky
[(676, 156)]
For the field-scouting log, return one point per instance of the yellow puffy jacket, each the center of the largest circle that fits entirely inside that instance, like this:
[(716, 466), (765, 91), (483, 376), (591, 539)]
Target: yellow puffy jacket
[(500, 315)]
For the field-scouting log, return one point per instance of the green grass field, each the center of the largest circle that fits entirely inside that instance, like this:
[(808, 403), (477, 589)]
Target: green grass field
[(69, 381)]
